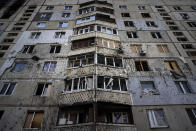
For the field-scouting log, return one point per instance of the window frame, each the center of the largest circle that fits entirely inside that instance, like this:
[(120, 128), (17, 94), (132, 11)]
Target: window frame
[(7, 88), (45, 89), (49, 67)]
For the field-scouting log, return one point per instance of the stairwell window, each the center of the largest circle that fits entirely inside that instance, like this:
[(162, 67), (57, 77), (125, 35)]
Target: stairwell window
[(132, 35), (27, 49), (163, 48), (192, 24), (145, 15), (156, 35), (151, 24), (157, 118), (68, 8), (42, 89), (63, 24), (123, 7), (125, 14), (141, 7), (7, 89), (49, 66), (55, 49), (183, 87), (59, 34), (172, 65), (35, 35), (141, 66), (34, 119), (192, 114), (129, 23), (66, 15)]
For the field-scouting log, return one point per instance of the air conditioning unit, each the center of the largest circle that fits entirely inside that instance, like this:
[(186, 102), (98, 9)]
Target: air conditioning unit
[(142, 53)]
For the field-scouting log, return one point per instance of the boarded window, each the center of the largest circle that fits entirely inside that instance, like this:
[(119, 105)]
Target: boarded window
[(163, 48), (141, 66), (135, 48), (171, 65), (34, 120)]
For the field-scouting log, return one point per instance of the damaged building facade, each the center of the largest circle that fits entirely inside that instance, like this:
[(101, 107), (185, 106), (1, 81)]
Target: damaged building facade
[(98, 65)]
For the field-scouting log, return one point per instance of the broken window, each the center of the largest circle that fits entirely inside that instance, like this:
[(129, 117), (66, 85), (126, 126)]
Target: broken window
[(34, 119), (156, 35), (42, 89), (177, 8), (167, 18), (151, 24), (105, 18), (8, 40), (81, 60), (59, 34), (2, 54), (4, 47), (35, 35), (49, 66), (85, 19), (136, 48), (105, 10), (178, 33), (123, 7), (192, 24), (184, 16), (7, 88), (191, 53), (82, 114), (110, 61), (164, 14), (192, 114), (132, 35), (187, 46), (108, 43), (171, 65), (116, 114), (173, 28), (41, 24), (182, 39), (66, 15), (182, 87), (12, 34), (163, 48), (194, 62), (129, 23), (125, 14), (79, 83), (112, 83), (19, 67), (55, 49), (63, 24), (50, 7), (68, 8), (141, 7), (86, 10), (170, 23), (28, 49), (157, 118), (145, 15), (83, 43), (141, 66), (148, 87), (1, 113)]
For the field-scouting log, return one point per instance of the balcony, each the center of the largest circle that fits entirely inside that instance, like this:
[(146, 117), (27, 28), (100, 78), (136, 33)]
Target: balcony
[(90, 95)]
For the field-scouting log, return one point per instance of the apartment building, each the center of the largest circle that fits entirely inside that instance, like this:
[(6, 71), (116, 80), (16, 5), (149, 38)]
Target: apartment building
[(98, 65)]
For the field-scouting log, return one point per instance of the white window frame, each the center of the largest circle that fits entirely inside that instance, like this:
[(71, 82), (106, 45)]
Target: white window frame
[(68, 7), (113, 117), (59, 35), (123, 7), (50, 63), (156, 35), (43, 15), (85, 19), (183, 88), (8, 88), (45, 89), (35, 35), (66, 15), (153, 119), (55, 46), (132, 35), (141, 7), (27, 46)]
